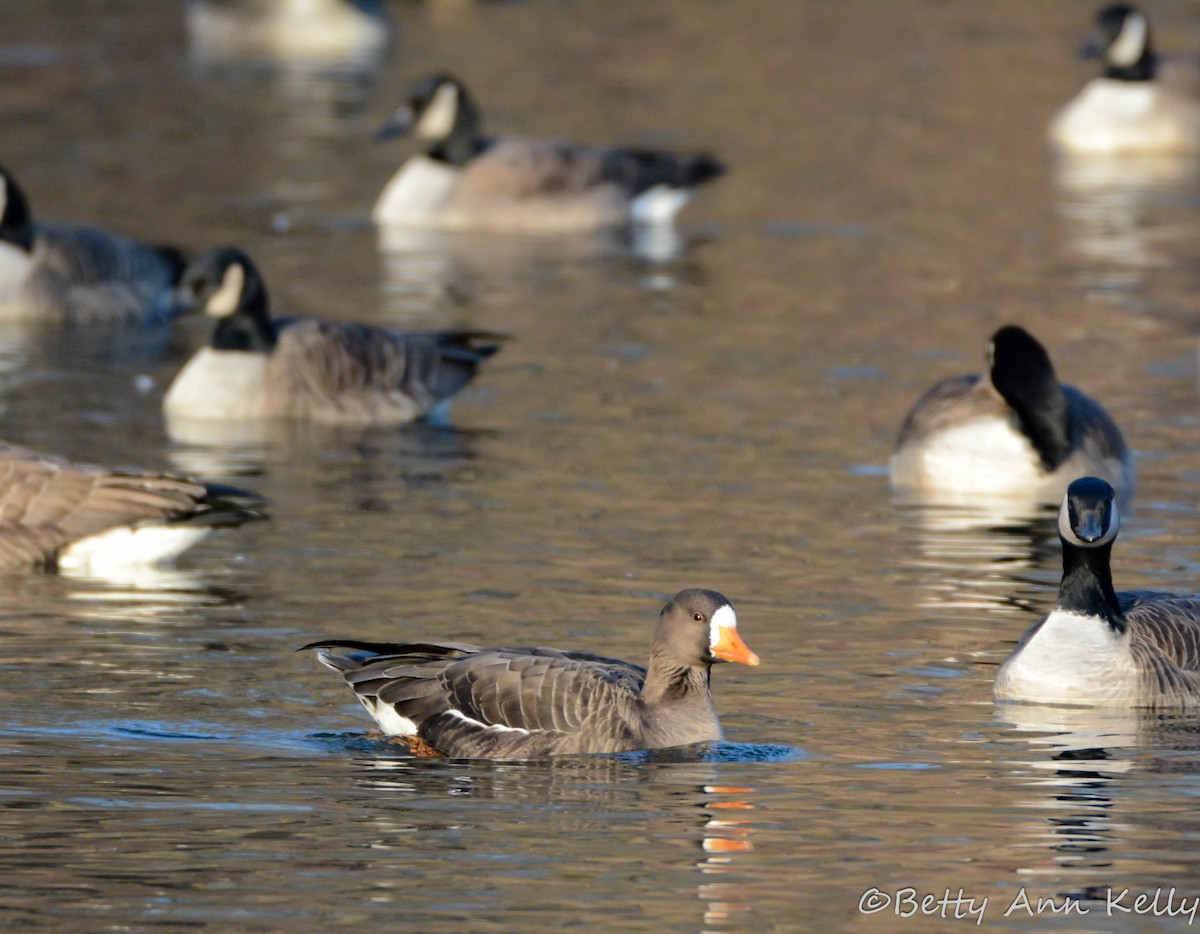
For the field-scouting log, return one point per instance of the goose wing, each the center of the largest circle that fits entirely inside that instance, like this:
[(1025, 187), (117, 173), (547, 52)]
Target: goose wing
[(46, 503), (1165, 626), (342, 370), (499, 702), (945, 402), (92, 275)]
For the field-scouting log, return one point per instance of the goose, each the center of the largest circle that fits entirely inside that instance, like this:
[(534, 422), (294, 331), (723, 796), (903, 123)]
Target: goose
[(56, 515), (1100, 648), (467, 181), (470, 702), (80, 275), (1013, 431), (322, 371), (1141, 104)]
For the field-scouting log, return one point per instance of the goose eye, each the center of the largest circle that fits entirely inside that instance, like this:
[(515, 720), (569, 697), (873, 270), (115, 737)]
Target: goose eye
[(698, 617)]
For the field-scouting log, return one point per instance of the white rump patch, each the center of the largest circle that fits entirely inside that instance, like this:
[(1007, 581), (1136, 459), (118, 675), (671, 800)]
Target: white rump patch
[(389, 721), (118, 549), (498, 727), (437, 120), (1130, 43), (225, 300), (658, 205), (724, 618)]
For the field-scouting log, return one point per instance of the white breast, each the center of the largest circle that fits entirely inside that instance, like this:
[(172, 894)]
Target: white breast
[(416, 193), (984, 455), (15, 266), (1073, 659), (219, 384), (1111, 116)]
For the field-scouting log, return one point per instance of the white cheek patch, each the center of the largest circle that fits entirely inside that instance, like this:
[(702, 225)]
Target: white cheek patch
[(1130, 42), (724, 618), (437, 122), (225, 300)]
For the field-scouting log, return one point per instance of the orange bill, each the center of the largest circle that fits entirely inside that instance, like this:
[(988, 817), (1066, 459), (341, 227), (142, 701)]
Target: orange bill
[(731, 648)]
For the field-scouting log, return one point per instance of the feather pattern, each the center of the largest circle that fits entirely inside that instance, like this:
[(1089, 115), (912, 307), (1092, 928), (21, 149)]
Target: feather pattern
[(524, 702), (47, 504)]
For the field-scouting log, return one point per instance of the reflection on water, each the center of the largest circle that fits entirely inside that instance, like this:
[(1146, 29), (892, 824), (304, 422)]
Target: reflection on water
[(1111, 207)]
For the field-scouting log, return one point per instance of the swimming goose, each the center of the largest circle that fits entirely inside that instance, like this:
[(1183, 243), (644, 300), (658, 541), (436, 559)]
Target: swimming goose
[(471, 702), (60, 516), (324, 371), (1013, 431), (1141, 104), (55, 272), (468, 181), (1098, 647)]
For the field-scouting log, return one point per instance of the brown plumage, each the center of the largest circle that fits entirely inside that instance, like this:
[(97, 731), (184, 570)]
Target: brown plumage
[(467, 701), (48, 505)]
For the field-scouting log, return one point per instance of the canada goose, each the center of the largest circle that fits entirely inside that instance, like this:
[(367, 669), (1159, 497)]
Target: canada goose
[(1098, 647), (471, 702), (468, 181), (1141, 103), (60, 516), (77, 274), (332, 372), (1014, 431)]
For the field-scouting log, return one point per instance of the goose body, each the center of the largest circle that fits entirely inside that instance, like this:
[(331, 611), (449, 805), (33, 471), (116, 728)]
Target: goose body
[(331, 372), (57, 515), (472, 702), (466, 181), (70, 274), (1142, 103), (1013, 431), (1098, 647)]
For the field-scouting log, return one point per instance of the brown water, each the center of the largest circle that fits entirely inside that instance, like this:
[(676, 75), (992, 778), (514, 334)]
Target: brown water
[(722, 419)]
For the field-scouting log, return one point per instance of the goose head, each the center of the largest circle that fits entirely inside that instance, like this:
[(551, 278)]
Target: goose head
[(438, 110), (1089, 517), (1122, 39), (225, 284), (696, 629), (16, 223)]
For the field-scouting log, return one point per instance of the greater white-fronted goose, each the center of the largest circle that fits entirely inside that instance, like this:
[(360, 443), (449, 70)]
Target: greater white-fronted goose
[(323, 371), (79, 275), (468, 181), (1142, 103), (1098, 647), (472, 702), (60, 516), (1013, 431)]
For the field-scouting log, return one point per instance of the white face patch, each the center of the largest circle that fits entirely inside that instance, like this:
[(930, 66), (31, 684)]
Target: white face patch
[(225, 300), (437, 121), (1130, 43), (1068, 534), (724, 618)]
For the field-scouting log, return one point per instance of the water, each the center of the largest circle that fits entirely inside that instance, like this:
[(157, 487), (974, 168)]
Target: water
[(720, 419)]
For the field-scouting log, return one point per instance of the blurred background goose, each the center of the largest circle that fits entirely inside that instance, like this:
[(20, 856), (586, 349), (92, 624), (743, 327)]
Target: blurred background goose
[(465, 180), (324, 371), (55, 272), (1098, 647), (465, 701), (1015, 430), (1142, 103), (89, 520)]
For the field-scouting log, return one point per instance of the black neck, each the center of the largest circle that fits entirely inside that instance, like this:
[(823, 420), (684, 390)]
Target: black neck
[(244, 330), (1144, 69), (16, 226), (1087, 586), (1041, 408)]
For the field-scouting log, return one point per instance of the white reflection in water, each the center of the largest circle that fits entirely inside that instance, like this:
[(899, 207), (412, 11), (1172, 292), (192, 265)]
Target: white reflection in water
[(1109, 204), (986, 554)]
